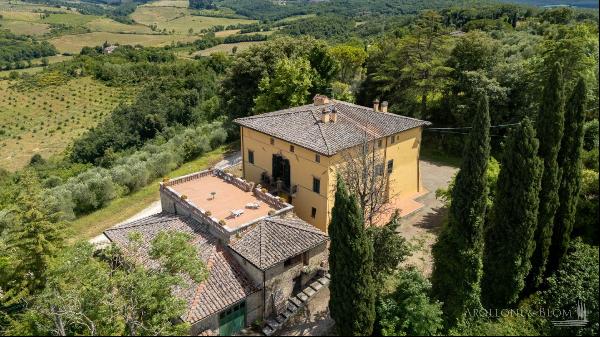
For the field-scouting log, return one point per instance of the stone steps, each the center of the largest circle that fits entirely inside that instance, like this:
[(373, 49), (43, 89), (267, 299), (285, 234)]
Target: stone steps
[(294, 304)]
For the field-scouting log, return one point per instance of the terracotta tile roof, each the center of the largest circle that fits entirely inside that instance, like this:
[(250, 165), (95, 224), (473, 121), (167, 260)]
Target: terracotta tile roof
[(227, 283), (276, 239), (302, 125)]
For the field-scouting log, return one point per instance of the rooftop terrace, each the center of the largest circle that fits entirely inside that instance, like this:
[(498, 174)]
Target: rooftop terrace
[(225, 201)]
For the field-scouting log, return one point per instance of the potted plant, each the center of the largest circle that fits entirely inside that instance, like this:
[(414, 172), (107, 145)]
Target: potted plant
[(183, 197), (222, 222)]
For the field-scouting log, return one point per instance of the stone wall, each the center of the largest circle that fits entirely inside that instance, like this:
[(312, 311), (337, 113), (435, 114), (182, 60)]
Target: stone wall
[(281, 277), (253, 313)]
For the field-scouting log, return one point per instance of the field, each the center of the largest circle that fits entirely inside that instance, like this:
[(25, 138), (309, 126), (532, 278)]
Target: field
[(180, 20), (228, 48), (74, 43), (163, 16), (112, 26), (44, 120), (24, 27), (169, 3)]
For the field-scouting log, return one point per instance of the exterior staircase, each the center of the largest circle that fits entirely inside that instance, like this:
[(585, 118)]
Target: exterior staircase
[(294, 304)]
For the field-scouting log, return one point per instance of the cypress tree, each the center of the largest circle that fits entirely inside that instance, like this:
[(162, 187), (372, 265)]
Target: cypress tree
[(569, 161), (509, 240), (550, 125), (458, 251), (352, 294), (33, 239)]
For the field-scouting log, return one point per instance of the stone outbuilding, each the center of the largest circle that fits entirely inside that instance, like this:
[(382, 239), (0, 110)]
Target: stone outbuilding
[(258, 254)]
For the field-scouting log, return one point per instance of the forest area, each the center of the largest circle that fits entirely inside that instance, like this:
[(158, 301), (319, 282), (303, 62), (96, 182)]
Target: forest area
[(511, 91)]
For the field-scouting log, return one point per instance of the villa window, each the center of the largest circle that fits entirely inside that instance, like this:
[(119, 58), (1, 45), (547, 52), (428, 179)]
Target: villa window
[(272, 141), (390, 166), (380, 143), (313, 213), (251, 156), (316, 185), (292, 148), (317, 158)]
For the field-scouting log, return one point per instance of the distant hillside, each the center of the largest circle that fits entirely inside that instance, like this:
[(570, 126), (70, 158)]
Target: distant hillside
[(574, 3)]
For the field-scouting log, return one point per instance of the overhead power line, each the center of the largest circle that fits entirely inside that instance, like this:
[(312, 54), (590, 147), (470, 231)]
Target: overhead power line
[(470, 127)]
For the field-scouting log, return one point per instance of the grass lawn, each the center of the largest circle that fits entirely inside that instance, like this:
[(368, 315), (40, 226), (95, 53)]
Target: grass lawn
[(121, 209), (45, 119)]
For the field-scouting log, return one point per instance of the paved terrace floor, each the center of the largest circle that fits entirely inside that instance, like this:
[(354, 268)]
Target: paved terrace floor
[(406, 205), (228, 197)]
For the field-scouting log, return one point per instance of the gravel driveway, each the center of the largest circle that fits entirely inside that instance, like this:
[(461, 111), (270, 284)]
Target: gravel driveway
[(420, 229)]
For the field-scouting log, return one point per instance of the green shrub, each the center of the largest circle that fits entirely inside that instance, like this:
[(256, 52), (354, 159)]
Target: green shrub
[(575, 282), (409, 311), (93, 188)]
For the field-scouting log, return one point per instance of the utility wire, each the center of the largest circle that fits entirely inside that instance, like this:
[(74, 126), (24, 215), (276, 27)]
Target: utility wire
[(470, 127)]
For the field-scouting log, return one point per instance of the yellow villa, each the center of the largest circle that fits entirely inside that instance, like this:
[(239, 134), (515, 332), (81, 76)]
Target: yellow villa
[(297, 152)]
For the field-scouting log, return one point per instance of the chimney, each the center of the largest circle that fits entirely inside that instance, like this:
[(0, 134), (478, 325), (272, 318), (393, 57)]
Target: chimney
[(325, 116), (384, 106), (376, 104), (333, 115), (320, 100)]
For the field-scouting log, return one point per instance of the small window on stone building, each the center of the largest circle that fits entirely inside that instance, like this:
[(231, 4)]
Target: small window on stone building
[(272, 141), (292, 148), (380, 143), (251, 156), (305, 258), (313, 213), (390, 166), (317, 158)]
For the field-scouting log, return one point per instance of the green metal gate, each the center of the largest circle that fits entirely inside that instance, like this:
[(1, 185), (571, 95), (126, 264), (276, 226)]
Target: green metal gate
[(232, 320)]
